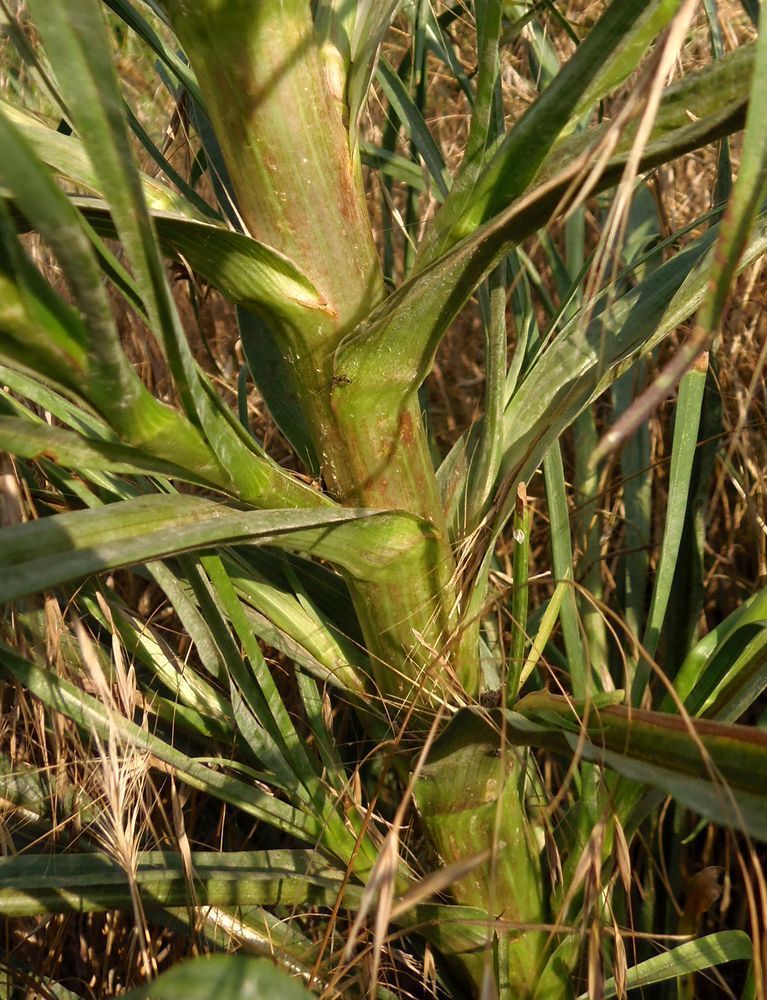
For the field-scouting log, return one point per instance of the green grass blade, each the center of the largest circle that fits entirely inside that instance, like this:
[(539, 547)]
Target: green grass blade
[(53, 550), (562, 563), (741, 677), (582, 362), (27, 440), (483, 131), (66, 155), (276, 381), (637, 503), (686, 425), (718, 770), (693, 956), (331, 639), (732, 241), (92, 882), (487, 459), (411, 117), (372, 18), (146, 646), (247, 272), (698, 661), (143, 28), (77, 46)]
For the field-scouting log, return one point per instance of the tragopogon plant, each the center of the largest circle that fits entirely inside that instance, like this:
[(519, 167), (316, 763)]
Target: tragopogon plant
[(374, 572)]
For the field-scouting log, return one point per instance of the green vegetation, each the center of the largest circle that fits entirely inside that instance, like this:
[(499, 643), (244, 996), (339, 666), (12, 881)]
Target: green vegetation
[(398, 710)]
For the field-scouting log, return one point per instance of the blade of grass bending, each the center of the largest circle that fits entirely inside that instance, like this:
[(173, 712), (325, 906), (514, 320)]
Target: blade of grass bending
[(247, 272), (67, 156), (276, 381), (43, 332), (562, 563), (154, 527), (92, 882), (558, 386), (90, 715), (692, 956), (105, 376), (27, 440), (716, 769), (371, 21), (302, 620), (686, 424), (145, 645), (265, 723)]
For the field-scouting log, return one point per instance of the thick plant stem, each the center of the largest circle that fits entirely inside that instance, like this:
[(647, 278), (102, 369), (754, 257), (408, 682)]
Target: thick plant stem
[(273, 101), (469, 797)]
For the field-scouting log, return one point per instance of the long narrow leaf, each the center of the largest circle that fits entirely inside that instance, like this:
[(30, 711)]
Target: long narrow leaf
[(52, 550)]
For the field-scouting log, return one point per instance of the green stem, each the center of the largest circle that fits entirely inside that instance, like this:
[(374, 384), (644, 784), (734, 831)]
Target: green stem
[(274, 106)]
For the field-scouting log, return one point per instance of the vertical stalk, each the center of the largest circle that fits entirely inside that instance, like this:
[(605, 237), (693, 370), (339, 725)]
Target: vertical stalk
[(276, 108), (470, 798)]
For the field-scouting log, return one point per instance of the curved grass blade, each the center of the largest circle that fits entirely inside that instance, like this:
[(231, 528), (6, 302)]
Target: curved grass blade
[(103, 375), (247, 272), (372, 19), (411, 117), (582, 362), (33, 441), (276, 381), (718, 770), (700, 658), (53, 550), (138, 23), (66, 155), (93, 882), (692, 956), (732, 240)]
